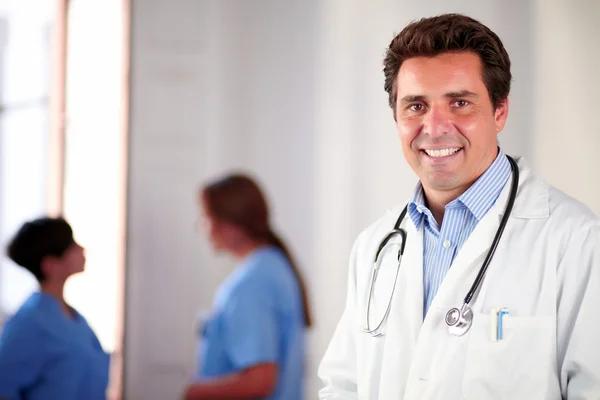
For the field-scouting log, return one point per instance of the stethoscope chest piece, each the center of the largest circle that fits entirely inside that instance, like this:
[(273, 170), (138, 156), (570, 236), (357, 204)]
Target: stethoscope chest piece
[(459, 321)]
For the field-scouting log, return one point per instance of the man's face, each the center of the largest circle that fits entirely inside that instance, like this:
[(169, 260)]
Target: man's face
[(71, 262), (446, 121)]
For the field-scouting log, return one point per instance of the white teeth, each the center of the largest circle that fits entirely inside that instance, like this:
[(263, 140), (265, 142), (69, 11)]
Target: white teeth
[(442, 152)]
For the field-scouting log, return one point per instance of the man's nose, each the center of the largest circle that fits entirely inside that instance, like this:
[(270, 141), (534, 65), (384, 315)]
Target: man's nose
[(437, 122)]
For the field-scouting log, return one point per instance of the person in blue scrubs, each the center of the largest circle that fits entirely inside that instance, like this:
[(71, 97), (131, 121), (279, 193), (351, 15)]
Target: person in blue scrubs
[(252, 345), (47, 349)]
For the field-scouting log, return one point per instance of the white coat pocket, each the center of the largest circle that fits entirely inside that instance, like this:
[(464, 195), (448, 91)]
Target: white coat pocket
[(515, 367)]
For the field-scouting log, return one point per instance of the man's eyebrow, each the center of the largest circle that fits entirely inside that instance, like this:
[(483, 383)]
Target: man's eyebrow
[(462, 93), (411, 98)]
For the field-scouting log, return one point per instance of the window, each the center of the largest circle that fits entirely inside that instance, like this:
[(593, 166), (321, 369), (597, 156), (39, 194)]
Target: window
[(25, 67), (63, 136)]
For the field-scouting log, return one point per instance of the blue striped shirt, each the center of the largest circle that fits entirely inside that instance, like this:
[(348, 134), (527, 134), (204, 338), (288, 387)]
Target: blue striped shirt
[(441, 245)]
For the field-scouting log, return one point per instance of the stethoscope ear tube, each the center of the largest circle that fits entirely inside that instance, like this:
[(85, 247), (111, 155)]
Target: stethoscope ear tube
[(396, 231), (378, 331)]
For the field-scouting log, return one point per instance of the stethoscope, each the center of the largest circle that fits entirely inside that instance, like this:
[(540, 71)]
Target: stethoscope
[(458, 320)]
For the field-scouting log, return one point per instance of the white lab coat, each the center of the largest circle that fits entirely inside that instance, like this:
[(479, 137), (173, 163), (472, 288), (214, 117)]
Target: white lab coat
[(546, 271)]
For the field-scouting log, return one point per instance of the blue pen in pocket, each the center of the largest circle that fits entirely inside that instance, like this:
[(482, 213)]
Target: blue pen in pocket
[(501, 314), (494, 324)]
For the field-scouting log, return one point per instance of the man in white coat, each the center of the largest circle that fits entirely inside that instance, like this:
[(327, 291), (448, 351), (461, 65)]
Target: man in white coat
[(535, 330)]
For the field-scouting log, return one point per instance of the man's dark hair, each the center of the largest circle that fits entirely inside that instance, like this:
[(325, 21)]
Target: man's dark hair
[(450, 33), (38, 239)]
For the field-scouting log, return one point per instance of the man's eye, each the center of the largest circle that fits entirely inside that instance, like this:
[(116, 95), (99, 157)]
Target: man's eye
[(416, 107)]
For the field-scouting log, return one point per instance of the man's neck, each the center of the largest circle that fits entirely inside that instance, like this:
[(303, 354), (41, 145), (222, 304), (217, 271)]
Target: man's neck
[(56, 290), (437, 200)]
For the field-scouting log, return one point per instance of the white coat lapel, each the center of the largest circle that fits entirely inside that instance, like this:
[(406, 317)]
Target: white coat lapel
[(413, 268), (474, 249), (470, 257)]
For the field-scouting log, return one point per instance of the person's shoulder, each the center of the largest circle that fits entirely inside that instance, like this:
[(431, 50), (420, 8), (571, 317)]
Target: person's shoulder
[(251, 274), (31, 312), (564, 220), (271, 256), (26, 323), (566, 209), (385, 222), (369, 238), (269, 264), (575, 225), (560, 211)]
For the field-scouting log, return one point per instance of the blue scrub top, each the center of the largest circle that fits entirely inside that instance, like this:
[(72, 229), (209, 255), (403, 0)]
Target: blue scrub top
[(47, 355), (258, 317)]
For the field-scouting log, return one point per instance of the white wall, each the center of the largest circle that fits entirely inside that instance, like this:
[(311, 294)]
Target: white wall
[(292, 92), (169, 151), (199, 94)]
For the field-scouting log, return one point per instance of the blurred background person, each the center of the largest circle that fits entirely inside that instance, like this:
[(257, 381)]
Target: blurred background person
[(47, 349), (252, 344)]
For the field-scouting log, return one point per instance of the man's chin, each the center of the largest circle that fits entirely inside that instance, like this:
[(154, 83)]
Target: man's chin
[(442, 181)]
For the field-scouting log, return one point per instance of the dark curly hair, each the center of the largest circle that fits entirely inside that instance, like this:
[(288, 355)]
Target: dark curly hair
[(38, 239), (450, 33)]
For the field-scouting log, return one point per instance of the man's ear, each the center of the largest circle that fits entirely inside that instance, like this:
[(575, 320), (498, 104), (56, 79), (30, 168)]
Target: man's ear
[(501, 114)]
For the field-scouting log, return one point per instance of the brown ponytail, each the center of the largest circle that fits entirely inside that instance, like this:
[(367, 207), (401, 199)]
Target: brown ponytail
[(277, 242), (239, 200)]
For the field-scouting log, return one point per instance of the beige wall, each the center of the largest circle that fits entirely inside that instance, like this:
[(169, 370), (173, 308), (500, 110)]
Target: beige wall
[(567, 83)]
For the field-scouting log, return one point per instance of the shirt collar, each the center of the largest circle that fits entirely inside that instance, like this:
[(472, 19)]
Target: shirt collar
[(478, 199)]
